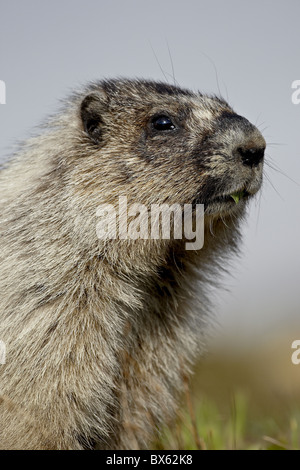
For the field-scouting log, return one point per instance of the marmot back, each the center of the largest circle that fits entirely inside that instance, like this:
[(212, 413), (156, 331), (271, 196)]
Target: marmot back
[(100, 333)]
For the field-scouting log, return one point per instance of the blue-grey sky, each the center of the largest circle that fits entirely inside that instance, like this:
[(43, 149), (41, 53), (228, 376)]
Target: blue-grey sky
[(48, 48)]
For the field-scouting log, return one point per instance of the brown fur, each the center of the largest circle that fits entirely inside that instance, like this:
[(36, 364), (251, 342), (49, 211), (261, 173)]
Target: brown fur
[(101, 334)]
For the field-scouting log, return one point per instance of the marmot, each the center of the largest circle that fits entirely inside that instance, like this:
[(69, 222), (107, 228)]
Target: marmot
[(100, 334)]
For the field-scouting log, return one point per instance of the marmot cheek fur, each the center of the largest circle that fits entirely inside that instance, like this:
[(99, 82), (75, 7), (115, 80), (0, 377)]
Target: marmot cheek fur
[(100, 334)]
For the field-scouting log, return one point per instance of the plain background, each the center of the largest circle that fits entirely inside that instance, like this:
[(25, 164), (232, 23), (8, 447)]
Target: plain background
[(247, 51)]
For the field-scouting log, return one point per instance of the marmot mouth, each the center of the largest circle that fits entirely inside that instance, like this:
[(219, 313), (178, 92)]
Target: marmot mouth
[(223, 202), (233, 198)]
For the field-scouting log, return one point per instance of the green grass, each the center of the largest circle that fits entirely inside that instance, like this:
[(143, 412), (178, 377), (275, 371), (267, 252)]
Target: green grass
[(213, 427), (244, 404)]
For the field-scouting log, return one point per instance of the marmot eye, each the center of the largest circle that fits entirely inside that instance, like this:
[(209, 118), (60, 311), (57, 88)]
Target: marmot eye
[(162, 123)]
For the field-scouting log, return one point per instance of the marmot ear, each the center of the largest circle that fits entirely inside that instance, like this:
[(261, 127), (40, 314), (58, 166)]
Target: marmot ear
[(92, 109)]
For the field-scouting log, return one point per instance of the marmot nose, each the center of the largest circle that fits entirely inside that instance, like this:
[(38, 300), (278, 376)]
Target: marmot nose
[(248, 144), (251, 156)]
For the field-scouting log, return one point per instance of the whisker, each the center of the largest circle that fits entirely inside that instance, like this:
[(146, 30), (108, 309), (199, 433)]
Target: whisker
[(223, 221), (211, 228), (276, 143), (270, 182), (161, 69), (258, 213), (275, 167), (226, 90), (264, 129), (215, 69), (256, 122), (172, 64)]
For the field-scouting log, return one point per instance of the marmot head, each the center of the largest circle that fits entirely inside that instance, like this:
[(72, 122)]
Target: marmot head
[(160, 143)]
